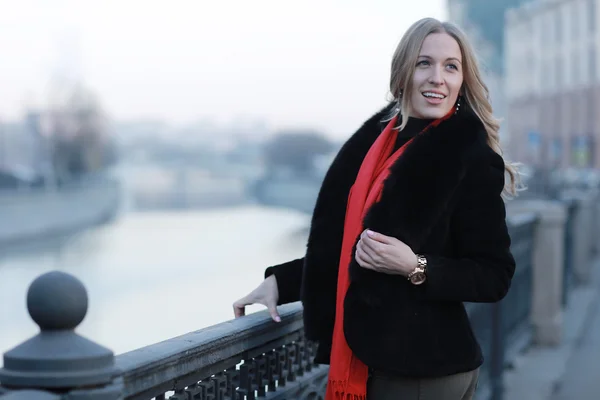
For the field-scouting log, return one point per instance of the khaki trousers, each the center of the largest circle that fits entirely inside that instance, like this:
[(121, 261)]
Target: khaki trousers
[(453, 387)]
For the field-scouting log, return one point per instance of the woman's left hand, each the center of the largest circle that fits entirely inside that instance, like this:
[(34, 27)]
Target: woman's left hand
[(384, 254)]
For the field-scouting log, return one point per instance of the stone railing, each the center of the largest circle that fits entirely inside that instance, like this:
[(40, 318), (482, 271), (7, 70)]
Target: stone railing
[(255, 358), (246, 358)]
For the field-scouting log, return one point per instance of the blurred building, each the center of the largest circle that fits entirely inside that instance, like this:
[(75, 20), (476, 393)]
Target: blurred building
[(483, 23), (552, 83), (19, 154), (479, 18)]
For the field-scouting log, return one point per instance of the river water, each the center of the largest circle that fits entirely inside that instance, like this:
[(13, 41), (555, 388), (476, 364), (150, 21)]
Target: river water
[(153, 276)]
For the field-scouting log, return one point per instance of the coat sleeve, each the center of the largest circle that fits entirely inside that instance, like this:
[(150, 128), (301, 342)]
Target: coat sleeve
[(289, 280), (483, 266)]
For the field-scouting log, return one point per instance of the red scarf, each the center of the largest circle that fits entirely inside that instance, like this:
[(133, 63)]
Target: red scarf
[(347, 374)]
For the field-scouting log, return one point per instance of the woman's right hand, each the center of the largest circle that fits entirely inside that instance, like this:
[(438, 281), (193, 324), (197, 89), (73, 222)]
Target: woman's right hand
[(266, 294)]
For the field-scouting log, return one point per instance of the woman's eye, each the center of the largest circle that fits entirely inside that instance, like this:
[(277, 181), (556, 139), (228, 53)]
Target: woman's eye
[(422, 63), (453, 66)]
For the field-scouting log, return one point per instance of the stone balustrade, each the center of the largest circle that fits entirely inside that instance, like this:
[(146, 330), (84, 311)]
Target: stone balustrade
[(255, 358)]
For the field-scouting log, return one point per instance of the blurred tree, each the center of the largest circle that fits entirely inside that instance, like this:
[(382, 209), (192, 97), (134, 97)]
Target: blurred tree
[(296, 150), (79, 129)]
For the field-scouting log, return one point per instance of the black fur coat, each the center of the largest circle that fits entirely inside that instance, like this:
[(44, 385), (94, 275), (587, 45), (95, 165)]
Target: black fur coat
[(443, 199)]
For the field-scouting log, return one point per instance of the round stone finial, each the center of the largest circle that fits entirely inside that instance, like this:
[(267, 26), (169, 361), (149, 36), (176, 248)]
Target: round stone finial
[(57, 357), (57, 301)]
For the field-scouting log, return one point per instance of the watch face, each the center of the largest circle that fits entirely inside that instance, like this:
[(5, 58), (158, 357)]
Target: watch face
[(418, 278)]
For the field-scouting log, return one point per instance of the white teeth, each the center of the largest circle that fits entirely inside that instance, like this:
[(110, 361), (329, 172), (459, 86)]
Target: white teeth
[(436, 95)]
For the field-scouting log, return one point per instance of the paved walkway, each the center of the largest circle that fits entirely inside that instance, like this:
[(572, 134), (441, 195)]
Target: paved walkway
[(570, 370), (582, 377)]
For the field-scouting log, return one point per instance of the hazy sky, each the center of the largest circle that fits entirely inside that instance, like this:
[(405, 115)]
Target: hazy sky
[(313, 63)]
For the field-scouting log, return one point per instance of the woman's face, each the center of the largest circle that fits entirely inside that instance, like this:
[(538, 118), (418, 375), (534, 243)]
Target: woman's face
[(438, 77)]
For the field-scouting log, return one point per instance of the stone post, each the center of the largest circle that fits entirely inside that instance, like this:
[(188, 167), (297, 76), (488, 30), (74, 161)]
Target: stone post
[(548, 256), (583, 234), (595, 235), (58, 360)]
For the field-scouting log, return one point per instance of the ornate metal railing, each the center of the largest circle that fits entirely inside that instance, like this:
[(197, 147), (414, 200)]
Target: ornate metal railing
[(503, 328), (516, 306), (248, 358), (571, 207)]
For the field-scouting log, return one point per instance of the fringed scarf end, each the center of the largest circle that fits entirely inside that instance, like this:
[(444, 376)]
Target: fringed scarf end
[(338, 390)]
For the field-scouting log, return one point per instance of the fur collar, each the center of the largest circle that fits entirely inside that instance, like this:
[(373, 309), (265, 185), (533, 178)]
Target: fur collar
[(420, 184), (425, 178)]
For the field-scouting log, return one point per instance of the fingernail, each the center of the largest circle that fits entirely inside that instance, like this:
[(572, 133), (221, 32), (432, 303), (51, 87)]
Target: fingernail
[(370, 232), (277, 319)]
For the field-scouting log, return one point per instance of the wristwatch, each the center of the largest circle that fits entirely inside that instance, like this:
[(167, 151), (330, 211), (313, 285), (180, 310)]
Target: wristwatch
[(419, 274)]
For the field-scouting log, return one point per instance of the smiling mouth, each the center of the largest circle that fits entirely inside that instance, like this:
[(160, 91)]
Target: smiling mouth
[(433, 95)]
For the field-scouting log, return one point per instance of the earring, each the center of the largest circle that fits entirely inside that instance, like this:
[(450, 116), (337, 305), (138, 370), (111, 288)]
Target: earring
[(398, 102), (457, 105)]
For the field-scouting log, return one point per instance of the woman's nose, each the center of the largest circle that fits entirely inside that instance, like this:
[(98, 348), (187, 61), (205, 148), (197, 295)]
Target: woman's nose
[(436, 77)]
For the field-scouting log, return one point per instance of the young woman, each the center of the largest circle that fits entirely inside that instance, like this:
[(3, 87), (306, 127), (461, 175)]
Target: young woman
[(409, 224)]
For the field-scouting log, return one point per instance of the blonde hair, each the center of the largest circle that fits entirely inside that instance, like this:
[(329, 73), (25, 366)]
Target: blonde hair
[(474, 91)]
